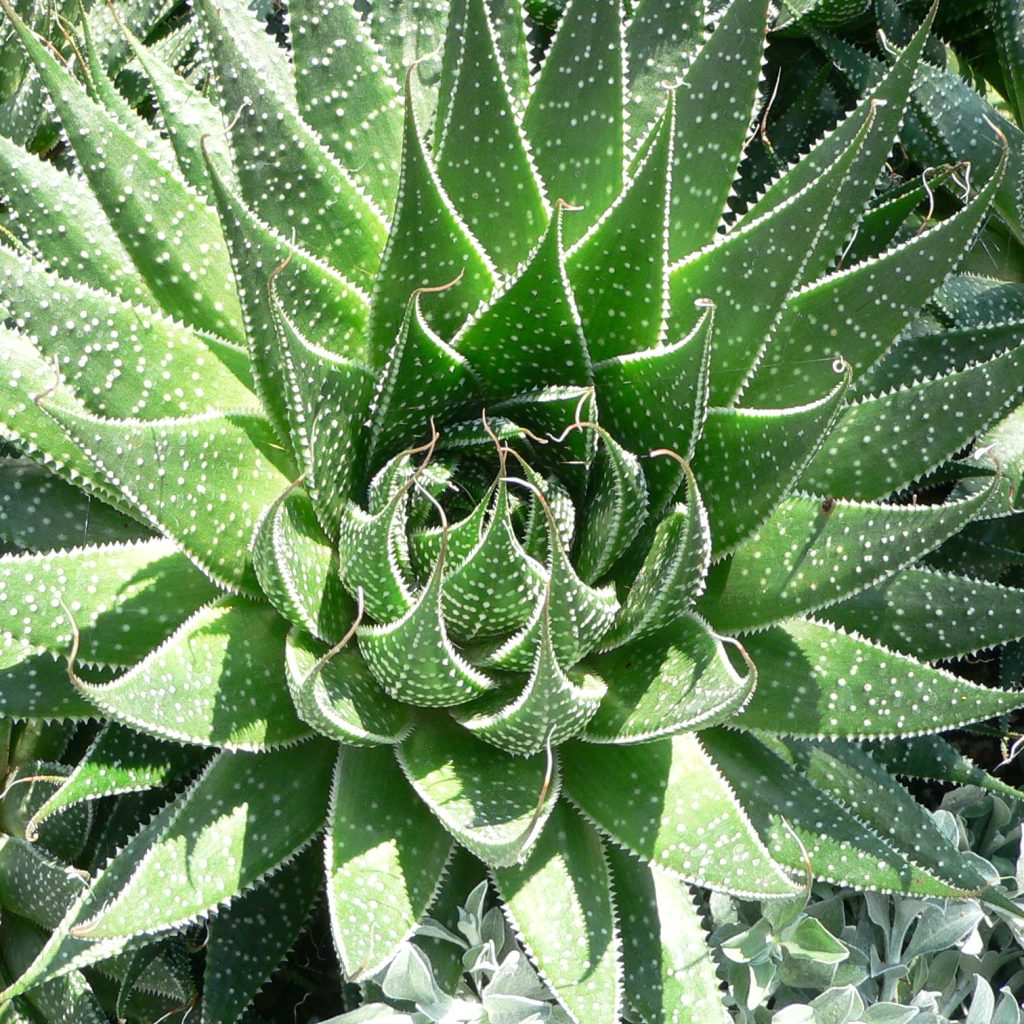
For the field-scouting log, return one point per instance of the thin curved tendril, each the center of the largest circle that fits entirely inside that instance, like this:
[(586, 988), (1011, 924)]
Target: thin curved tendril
[(341, 644)]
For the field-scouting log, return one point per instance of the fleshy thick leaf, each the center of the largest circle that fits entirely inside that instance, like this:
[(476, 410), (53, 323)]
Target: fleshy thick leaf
[(33, 684), (667, 803), (492, 803), (798, 560), (814, 680), (667, 682), (386, 855), (560, 904), (218, 681)]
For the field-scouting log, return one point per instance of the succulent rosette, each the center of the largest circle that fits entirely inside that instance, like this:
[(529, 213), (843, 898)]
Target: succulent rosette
[(420, 454)]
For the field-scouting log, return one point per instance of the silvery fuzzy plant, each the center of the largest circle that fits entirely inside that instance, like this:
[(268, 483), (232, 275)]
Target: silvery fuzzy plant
[(415, 460)]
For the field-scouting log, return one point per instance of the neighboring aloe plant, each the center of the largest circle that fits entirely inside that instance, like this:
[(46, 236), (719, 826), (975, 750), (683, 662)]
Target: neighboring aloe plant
[(402, 464)]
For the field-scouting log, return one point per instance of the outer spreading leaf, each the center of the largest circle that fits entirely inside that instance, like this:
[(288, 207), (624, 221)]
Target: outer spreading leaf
[(494, 804), (814, 680), (798, 560), (560, 904), (667, 803), (33, 684), (218, 681), (386, 855)]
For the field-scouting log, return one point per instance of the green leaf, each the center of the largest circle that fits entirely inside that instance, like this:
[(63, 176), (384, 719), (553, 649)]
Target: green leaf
[(40, 512), (528, 335), (619, 269), (559, 902), (307, 298), (339, 697), (799, 822), (424, 377), (232, 465), (298, 568), (124, 599), (338, 67), (63, 224), (245, 948), (218, 681), (714, 107), (668, 971), (35, 886), (275, 152), (857, 313), (815, 680), (931, 757), (667, 682), (661, 40), (730, 272), (429, 245), (34, 685), (672, 574), (748, 460), (139, 363), (667, 803), (500, 199), (246, 815), (799, 559), (884, 442), (1005, 443), (574, 118), (386, 857), (413, 658), (659, 399), (933, 615), (185, 269), (552, 707), (494, 804), (119, 761)]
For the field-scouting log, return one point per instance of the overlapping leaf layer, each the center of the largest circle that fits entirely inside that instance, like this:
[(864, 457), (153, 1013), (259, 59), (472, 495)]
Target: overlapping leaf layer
[(464, 470)]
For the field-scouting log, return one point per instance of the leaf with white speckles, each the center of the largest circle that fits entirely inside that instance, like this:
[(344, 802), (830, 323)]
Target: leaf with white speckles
[(315, 299), (815, 680), (500, 198), (33, 684), (298, 568), (729, 273), (714, 107), (619, 270), (857, 313), (36, 886), (41, 512), (528, 335), (339, 68), (429, 246), (232, 463), (139, 362), (119, 761), (748, 460), (797, 820), (171, 235), (386, 855), (218, 681), (246, 815), (276, 153), (124, 599), (668, 970), (494, 804), (61, 221), (250, 938), (574, 118), (340, 698), (560, 904), (668, 682), (668, 803), (933, 615), (884, 442), (661, 39), (659, 399), (802, 557)]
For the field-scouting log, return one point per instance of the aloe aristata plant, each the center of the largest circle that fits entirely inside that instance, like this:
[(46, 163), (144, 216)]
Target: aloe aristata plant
[(414, 461)]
